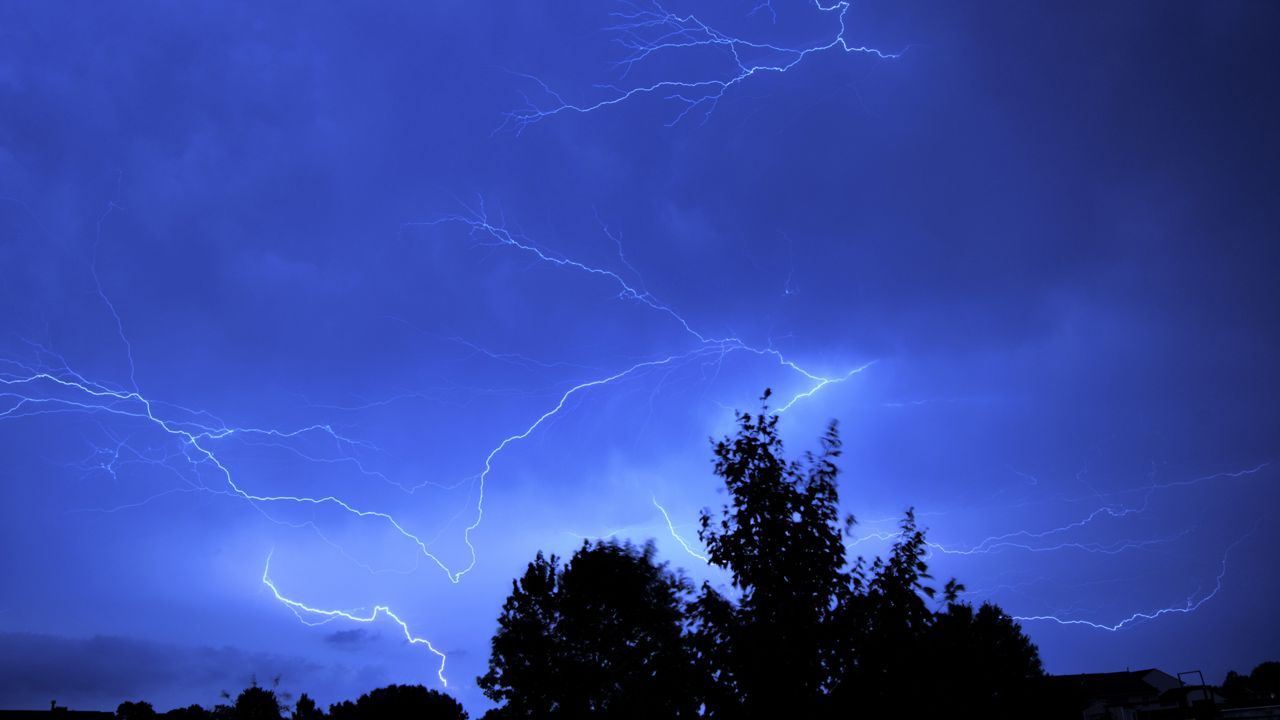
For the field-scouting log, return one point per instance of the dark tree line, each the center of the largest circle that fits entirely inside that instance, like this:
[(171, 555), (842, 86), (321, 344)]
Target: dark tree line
[(394, 702), (1260, 687), (601, 635), (804, 632)]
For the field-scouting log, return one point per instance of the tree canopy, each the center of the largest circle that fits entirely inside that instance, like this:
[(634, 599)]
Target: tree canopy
[(398, 702), (780, 541), (801, 630), (601, 636)]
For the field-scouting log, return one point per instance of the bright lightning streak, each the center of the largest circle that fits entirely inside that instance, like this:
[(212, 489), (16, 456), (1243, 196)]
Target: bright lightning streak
[(1005, 540), (479, 226), (27, 391), (1191, 605), (671, 526), (302, 611), (1026, 542), (645, 33), (488, 462), (1113, 548), (822, 382), (94, 398)]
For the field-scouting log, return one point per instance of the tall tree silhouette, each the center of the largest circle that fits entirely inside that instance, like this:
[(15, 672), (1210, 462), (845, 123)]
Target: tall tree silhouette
[(305, 709), (811, 634), (522, 673), (600, 637), (780, 539), (880, 626)]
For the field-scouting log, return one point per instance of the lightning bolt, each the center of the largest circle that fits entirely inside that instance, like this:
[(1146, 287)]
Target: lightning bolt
[(646, 32), (1029, 541), (671, 526), (51, 386), (1191, 604), (303, 612), (481, 229)]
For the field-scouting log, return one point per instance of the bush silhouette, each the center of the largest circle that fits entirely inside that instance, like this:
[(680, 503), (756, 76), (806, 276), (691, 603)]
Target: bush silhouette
[(601, 636), (135, 711), (257, 703), (399, 702)]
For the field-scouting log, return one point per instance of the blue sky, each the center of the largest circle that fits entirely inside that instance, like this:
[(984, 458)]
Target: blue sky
[(1045, 231)]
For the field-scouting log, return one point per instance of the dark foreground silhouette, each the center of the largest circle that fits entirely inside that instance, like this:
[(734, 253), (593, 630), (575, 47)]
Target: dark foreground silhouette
[(802, 631), (394, 702), (1142, 694)]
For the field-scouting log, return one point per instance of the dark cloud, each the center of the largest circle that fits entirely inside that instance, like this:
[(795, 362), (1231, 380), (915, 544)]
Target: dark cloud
[(350, 638), (101, 671)]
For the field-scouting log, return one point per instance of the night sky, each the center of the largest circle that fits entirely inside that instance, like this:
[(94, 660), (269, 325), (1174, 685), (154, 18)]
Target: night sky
[(297, 281)]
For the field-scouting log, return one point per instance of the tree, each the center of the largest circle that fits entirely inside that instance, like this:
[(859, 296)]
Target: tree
[(1262, 686), (135, 711), (345, 710), (1235, 687), (880, 626), (409, 702), (600, 637), (397, 702), (979, 661), (812, 635), (804, 633), (780, 539), (521, 672), (306, 709), (190, 712), (257, 703), (1265, 681)]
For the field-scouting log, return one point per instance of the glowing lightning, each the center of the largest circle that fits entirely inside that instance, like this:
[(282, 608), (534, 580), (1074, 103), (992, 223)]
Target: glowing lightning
[(55, 388), (1030, 541), (302, 611), (994, 542), (676, 535), (645, 33), (488, 462), (478, 224), (1191, 605)]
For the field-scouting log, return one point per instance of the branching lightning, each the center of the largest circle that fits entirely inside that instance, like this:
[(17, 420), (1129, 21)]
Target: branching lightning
[(646, 32), (51, 386), (1192, 603), (1044, 541)]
